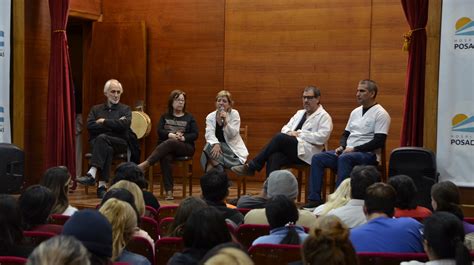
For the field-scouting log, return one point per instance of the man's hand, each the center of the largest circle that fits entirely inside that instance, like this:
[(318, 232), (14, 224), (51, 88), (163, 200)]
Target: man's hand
[(100, 121), (216, 151), (339, 150), (293, 133)]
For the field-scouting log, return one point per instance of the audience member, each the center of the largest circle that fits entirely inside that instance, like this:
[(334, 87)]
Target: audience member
[(282, 214), (352, 214), (224, 146), (406, 192), (185, 209), (123, 219), (135, 191), (131, 172), (445, 197), (443, 241), (328, 243), (57, 179), (338, 198), (59, 250), (279, 182), (177, 131), (215, 189), (203, 230), (360, 143), (95, 233), (36, 203), (303, 136), (382, 233), (226, 254), (11, 232)]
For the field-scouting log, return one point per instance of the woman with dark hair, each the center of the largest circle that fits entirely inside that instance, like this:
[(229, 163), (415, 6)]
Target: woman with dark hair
[(57, 179), (444, 241), (11, 233), (131, 172), (36, 203), (328, 243), (177, 131), (203, 230), (406, 206), (445, 197), (224, 146), (282, 215), (185, 209)]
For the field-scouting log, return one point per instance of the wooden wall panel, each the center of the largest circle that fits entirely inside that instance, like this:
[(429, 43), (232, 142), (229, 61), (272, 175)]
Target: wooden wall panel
[(273, 49), (87, 9)]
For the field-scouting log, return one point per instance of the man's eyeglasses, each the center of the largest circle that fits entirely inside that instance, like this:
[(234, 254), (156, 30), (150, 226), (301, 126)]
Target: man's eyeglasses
[(308, 97)]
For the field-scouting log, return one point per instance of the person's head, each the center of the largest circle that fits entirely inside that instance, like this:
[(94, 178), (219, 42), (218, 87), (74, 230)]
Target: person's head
[(340, 197), (281, 211), (281, 182), (445, 197), (214, 186), (226, 254), (366, 92), (176, 101), (224, 100), (123, 195), (59, 250), (36, 203), (311, 98), (406, 191), (205, 229), (380, 198), (113, 90), (328, 243), (123, 219), (131, 172), (443, 235), (93, 230), (57, 179), (11, 232), (361, 178), (185, 209), (135, 191)]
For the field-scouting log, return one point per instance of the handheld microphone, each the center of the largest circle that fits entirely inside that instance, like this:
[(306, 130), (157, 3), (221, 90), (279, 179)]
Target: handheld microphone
[(221, 108)]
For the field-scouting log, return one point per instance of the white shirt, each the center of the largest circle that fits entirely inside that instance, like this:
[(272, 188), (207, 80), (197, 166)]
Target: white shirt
[(432, 262), (352, 214), (69, 210), (258, 217)]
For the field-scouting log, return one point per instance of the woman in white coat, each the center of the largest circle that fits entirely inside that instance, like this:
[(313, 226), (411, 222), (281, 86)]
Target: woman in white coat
[(224, 146)]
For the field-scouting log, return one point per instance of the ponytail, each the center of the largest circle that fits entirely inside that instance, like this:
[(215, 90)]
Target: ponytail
[(292, 237), (461, 253)]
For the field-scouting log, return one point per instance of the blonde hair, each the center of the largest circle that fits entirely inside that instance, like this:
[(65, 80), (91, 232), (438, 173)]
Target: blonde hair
[(135, 191), (328, 243), (123, 219), (229, 256), (59, 250), (339, 197), (225, 93)]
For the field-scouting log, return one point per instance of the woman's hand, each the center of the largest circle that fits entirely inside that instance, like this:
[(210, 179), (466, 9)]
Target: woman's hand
[(180, 136), (173, 136), (216, 151)]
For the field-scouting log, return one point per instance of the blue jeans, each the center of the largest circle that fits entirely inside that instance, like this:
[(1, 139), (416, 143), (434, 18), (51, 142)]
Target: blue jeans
[(343, 165)]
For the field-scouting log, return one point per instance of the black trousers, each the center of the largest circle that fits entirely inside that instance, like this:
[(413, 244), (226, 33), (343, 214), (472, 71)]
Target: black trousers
[(282, 150), (103, 149)]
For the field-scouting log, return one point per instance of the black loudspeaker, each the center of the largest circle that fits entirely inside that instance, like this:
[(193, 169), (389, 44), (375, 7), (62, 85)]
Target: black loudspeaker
[(419, 164), (12, 164)]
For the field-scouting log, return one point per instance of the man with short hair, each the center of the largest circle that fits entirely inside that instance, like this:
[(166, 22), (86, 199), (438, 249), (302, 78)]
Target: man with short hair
[(303, 136), (352, 214), (108, 124), (382, 233), (360, 144)]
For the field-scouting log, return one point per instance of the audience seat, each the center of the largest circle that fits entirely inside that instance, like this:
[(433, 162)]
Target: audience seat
[(10, 260), (58, 219), (150, 212), (166, 211), (166, 247), (142, 246), (34, 238), (385, 258), (247, 233), (272, 254), (150, 226), (164, 226)]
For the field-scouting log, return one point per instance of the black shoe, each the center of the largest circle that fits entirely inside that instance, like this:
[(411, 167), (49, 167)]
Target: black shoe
[(87, 180), (101, 191), (310, 205)]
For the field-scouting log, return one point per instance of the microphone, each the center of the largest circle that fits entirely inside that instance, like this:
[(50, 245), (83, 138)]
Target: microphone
[(221, 108)]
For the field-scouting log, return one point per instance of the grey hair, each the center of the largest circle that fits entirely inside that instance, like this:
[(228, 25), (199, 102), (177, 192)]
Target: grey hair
[(60, 250), (316, 91), (109, 83)]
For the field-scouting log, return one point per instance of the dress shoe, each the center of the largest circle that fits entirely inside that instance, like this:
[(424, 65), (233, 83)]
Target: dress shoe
[(243, 170), (87, 180), (169, 195), (101, 191)]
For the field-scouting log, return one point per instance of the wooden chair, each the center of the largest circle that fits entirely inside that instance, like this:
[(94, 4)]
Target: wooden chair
[(142, 246), (58, 219), (34, 238), (385, 258), (247, 233), (184, 165), (164, 226), (150, 225), (166, 211), (273, 254), (166, 247), (241, 180), (10, 260)]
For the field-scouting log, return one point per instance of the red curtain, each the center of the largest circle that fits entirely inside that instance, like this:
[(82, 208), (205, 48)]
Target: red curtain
[(60, 137), (416, 12)]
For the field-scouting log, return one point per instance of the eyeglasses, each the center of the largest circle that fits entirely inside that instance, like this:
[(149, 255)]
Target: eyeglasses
[(308, 97), (179, 100)]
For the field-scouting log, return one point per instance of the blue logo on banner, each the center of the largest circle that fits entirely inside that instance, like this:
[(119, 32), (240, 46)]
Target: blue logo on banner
[(1, 115), (2, 33)]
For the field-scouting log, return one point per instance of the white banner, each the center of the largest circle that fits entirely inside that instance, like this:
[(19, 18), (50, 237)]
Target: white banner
[(455, 147), (5, 11)]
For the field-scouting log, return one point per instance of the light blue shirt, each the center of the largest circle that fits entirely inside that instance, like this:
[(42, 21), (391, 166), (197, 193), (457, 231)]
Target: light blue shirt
[(276, 235)]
